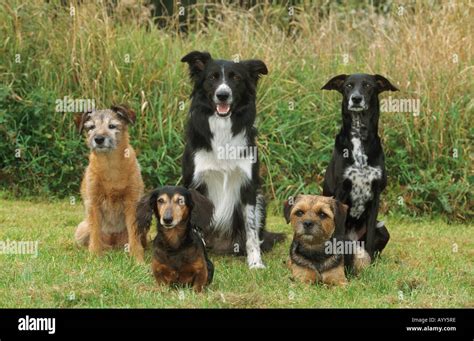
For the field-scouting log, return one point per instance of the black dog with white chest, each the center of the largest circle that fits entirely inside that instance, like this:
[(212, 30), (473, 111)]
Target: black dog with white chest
[(356, 173), (220, 158)]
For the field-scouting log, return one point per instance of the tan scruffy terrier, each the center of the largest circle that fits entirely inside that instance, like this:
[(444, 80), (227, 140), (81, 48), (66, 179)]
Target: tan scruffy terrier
[(112, 184), (320, 251)]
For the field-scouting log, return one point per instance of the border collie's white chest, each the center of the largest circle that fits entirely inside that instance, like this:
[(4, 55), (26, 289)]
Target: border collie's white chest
[(361, 175), (222, 170)]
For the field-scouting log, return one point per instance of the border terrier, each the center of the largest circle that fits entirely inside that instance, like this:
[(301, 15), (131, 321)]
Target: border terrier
[(320, 251), (112, 184)]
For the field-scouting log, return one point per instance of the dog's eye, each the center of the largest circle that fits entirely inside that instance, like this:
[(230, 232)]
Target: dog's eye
[(299, 213), (322, 215), (91, 127), (214, 76), (349, 86), (112, 126), (236, 78), (161, 200), (366, 85)]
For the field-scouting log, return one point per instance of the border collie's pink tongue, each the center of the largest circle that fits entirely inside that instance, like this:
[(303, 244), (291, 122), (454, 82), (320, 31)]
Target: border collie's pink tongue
[(223, 108)]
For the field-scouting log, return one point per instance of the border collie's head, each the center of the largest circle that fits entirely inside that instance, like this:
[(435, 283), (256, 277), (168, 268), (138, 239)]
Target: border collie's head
[(225, 85)]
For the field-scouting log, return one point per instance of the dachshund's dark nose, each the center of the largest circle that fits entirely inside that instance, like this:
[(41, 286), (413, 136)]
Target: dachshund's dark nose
[(168, 220), (99, 139), (223, 95), (356, 99), (307, 224)]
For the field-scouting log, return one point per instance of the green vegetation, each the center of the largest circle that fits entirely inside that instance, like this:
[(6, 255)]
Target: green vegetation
[(47, 54)]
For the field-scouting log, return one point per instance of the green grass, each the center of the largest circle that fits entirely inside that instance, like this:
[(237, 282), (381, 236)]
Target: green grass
[(419, 268)]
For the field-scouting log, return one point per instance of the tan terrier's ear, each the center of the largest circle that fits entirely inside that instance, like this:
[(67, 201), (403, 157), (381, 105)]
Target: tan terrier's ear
[(288, 206), (127, 114), (80, 119)]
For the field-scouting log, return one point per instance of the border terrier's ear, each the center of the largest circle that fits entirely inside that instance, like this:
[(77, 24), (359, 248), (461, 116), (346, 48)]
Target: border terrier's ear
[(80, 119), (383, 84), (127, 114), (202, 209), (145, 209), (288, 206), (340, 215), (335, 83)]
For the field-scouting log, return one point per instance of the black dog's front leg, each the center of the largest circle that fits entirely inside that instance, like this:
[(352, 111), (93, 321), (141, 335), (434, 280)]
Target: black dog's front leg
[(343, 191), (373, 211)]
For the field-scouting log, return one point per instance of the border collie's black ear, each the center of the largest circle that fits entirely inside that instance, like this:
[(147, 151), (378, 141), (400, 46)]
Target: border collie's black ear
[(335, 83), (145, 209), (127, 114), (256, 68), (340, 215), (197, 61), (80, 119), (288, 206), (383, 84), (202, 209)]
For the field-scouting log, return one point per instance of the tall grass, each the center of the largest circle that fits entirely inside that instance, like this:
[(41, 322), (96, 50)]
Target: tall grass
[(424, 48)]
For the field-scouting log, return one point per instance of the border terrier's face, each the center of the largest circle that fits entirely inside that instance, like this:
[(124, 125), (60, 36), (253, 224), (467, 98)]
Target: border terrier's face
[(172, 209), (312, 218), (104, 130)]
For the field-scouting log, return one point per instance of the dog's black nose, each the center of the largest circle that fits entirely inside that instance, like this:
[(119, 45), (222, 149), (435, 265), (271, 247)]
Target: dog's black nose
[(99, 139), (222, 96), (167, 220), (356, 99), (307, 224)]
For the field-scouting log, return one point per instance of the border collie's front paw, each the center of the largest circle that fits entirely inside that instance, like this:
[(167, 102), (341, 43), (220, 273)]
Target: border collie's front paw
[(256, 265)]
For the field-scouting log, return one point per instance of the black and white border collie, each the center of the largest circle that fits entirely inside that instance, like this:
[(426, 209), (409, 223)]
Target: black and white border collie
[(220, 158)]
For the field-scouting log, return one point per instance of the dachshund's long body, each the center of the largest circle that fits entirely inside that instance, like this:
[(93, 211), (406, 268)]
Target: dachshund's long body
[(179, 253)]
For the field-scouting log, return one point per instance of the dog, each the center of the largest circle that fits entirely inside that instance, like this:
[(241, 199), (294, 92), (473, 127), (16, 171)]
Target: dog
[(356, 173), (319, 234), (220, 158), (112, 184), (179, 253)]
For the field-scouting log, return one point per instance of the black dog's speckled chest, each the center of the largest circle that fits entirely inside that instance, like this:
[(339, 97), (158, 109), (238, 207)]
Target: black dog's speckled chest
[(360, 173)]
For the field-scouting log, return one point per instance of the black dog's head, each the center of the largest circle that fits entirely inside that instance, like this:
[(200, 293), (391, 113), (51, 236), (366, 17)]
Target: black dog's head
[(173, 207), (359, 90), (224, 85)]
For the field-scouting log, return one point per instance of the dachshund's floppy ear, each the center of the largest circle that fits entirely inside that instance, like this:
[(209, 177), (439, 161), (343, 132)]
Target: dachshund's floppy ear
[(145, 209), (340, 215), (335, 83), (202, 209), (125, 113), (80, 119), (288, 206)]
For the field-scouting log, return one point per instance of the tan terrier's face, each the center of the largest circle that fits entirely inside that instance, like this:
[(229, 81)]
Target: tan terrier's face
[(172, 210), (312, 218), (104, 130)]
